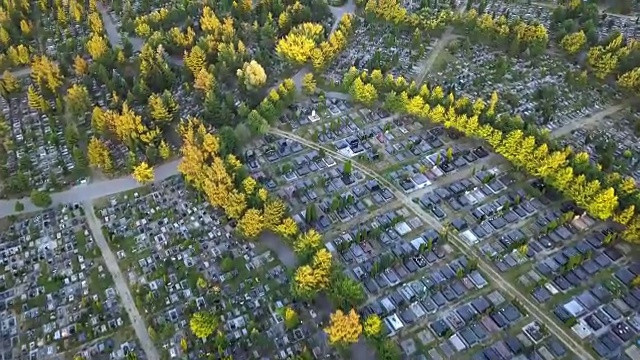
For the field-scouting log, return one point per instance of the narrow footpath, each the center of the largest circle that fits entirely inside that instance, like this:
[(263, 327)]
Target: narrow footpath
[(121, 285)]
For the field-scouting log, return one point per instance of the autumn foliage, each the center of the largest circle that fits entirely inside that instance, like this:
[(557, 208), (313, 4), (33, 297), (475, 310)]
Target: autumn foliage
[(344, 329)]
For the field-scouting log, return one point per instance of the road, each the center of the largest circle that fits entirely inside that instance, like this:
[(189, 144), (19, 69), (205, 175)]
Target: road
[(587, 121), (113, 34), (19, 72), (339, 12), (467, 250), (121, 284), (91, 191)]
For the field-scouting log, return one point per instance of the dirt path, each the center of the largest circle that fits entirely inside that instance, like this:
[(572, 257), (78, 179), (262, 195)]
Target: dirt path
[(433, 55), (120, 283), (507, 288), (586, 121)]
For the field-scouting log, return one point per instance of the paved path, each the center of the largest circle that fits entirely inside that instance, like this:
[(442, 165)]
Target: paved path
[(95, 190), (121, 285), (486, 268), (19, 72), (283, 251), (586, 121)]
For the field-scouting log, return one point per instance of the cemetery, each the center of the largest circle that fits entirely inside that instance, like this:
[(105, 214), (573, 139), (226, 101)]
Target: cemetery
[(428, 232), (56, 295), (41, 157), (536, 89), (612, 142), (181, 257), (377, 46)]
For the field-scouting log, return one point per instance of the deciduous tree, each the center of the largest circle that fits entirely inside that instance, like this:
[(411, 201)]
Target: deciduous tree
[(99, 155), (572, 43), (308, 242), (251, 224), (308, 84), (41, 199), (273, 213), (344, 329), (252, 75), (203, 324), (77, 100), (372, 326), (80, 66), (143, 173), (287, 228)]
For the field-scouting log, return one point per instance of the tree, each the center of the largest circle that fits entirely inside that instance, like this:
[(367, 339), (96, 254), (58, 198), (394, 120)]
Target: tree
[(40, 199), (251, 224), (308, 84), (46, 73), (97, 47), (35, 99), (308, 242), (195, 60), (372, 326), (273, 213), (203, 324), (249, 185), (347, 168), (201, 283), (625, 216), (77, 100), (572, 43), (363, 93), (164, 150), (291, 319), (287, 228), (235, 204), (80, 66), (10, 83), (159, 111), (204, 81), (295, 48), (344, 329), (346, 292), (18, 207), (252, 75), (99, 155), (143, 173)]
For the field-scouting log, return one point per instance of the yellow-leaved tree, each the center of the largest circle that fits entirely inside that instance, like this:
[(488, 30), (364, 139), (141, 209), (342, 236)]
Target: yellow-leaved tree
[(143, 173), (287, 228), (77, 100), (99, 155), (204, 81), (203, 324), (344, 329), (252, 223), (252, 75), (574, 42), (372, 326), (308, 242), (273, 213), (80, 66), (97, 46)]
